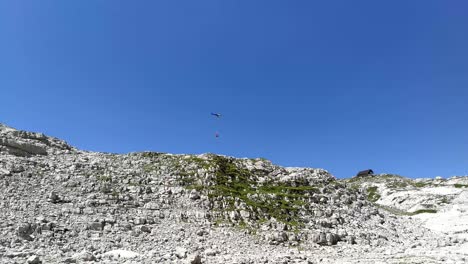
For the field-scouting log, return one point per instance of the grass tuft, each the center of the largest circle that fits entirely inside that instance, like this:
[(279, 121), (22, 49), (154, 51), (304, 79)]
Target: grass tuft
[(372, 194)]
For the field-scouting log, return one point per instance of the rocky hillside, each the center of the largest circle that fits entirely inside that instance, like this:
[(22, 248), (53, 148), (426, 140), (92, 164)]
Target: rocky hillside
[(59, 204), (440, 203)]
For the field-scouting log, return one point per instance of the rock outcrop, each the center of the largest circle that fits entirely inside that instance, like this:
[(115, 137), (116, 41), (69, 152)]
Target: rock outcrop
[(22, 143)]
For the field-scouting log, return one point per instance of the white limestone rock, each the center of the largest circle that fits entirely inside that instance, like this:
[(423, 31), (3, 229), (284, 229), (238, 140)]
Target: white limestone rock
[(121, 253)]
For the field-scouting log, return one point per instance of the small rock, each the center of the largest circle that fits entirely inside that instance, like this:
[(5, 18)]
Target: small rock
[(210, 252), (69, 260), (145, 229), (119, 253), (319, 238), (281, 237), (33, 260), (139, 221), (24, 231), (194, 195), (181, 252), (96, 226), (194, 259), (201, 232), (84, 256), (332, 239), (5, 172), (53, 197)]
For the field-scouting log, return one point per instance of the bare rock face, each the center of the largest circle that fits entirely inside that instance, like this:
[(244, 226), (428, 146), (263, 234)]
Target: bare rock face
[(22, 143), (62, 205), (22, 147)]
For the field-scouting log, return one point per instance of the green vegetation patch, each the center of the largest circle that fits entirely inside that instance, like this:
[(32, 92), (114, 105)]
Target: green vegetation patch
[(231, 187), (396, 211), (399, 183), (422, 211), (420, 184), (104, 178), (372, 194), (458, 185), (151, 155), (392, 210), (234, 186)]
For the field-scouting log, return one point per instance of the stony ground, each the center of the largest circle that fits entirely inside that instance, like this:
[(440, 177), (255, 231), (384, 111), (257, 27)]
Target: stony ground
[(59, 204)]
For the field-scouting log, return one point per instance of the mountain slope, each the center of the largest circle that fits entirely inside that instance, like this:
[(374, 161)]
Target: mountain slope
[(60, 204)]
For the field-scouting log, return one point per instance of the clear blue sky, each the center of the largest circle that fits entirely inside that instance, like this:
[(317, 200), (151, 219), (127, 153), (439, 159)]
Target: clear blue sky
[(341, 85)]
